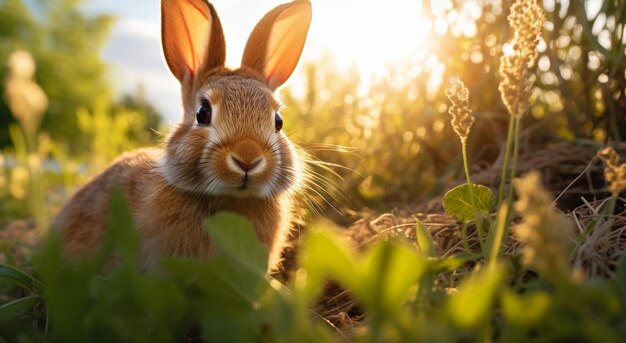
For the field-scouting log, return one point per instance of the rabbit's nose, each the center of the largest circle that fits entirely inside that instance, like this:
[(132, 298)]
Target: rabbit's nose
[(247, 156), (246, 166)]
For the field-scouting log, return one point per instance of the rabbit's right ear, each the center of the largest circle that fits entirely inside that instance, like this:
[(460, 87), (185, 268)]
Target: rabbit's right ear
[(192, 37), (276, 42)]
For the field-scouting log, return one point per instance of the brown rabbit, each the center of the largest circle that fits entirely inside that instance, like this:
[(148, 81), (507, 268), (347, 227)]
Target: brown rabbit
[(227, 154)]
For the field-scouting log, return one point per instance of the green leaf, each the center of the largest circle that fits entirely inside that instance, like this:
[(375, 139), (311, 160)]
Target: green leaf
[(230, 300), (472, 304), (235, 237), (447, 264), (324, 252), (380, 278), (220, 279), (424, 240), (18, 307), (19, 278), (468, 202), (387, 272), (526, 309)]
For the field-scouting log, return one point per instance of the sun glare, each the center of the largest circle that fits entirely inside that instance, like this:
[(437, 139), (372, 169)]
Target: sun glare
[(370, 34)]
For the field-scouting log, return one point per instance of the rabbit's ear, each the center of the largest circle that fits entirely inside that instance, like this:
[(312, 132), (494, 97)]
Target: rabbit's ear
[(276, 43), (192, 37)]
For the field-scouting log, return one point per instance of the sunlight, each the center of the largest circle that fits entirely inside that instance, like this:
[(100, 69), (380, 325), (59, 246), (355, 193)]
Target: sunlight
[(369, 35)]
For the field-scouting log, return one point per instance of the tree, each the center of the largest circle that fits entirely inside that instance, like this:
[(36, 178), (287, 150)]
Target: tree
[(66, 44), (137, 102)]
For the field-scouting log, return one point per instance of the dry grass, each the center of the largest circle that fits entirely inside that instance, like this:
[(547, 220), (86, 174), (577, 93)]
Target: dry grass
[(18, 240), (597, 250), (569, 166)]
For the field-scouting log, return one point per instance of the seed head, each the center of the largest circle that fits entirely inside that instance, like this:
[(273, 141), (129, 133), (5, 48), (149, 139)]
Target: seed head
[(462, 118), (544, 231), (25, 98), (526, 19), (614, 173)]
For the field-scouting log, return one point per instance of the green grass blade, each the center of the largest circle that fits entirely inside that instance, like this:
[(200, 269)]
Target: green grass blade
[(18, 307), (472, 305), (20, 278), (424, 240), (500, 234)]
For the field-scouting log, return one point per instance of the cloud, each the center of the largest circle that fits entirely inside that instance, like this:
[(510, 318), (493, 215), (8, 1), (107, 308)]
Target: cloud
[(134, 52)]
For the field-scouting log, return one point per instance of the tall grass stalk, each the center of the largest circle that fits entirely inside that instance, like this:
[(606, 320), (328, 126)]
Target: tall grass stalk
[(516, 138), (465, 164), (462, 118), (505, 163), (28, 156), (28, 104), (479, 221), (526, 19), (500, 234), (462, 121)]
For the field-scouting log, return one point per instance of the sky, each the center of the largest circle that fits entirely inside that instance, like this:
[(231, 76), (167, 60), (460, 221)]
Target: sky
[(355, 32)]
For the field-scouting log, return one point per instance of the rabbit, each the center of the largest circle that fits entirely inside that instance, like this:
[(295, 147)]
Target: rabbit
[(228, 153)]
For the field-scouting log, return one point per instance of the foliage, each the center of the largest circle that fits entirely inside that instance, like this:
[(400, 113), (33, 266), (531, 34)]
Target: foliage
[(150, 116), (66, 45), (80, 118), (580, 71), (110, 132), (230, 298), (387, 137), (391, 133), (49, 169)]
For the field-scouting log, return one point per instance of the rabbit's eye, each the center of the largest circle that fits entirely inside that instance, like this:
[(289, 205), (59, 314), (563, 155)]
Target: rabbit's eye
[(278, 119), (204, 114)]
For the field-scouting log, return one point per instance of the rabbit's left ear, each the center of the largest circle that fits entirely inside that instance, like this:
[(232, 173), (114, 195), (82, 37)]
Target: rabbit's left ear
[(192, 37), (276, 43)]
